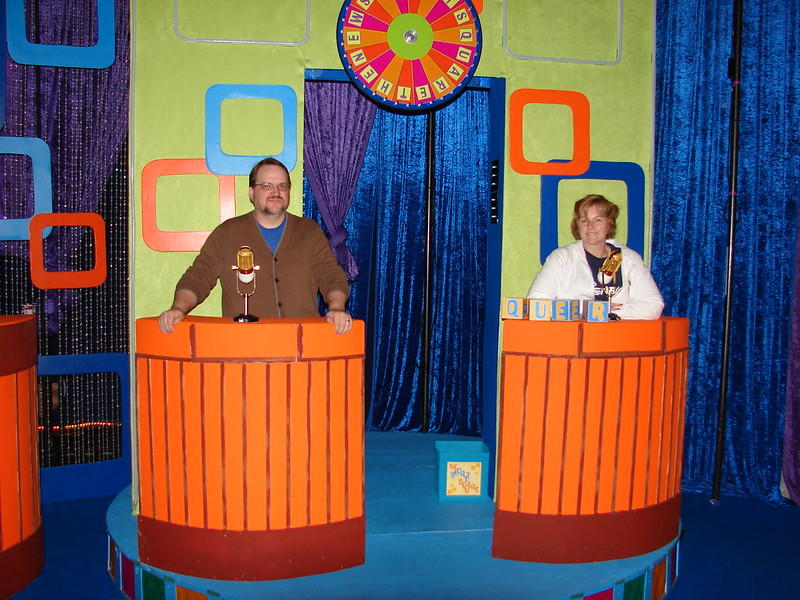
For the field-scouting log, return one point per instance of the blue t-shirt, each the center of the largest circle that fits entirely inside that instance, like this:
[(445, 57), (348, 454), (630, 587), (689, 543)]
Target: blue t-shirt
[(273, 236)]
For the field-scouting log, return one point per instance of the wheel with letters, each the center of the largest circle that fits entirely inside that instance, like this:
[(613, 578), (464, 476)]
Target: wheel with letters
[(409, 55)]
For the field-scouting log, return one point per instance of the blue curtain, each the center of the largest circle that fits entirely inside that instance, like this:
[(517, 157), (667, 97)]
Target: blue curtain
[(690, 225), (392, 183), (462, 174), (791, 440), (387, 236)]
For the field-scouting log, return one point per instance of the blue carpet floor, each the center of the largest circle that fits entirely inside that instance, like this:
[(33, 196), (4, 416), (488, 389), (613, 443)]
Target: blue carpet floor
[(739, 548)]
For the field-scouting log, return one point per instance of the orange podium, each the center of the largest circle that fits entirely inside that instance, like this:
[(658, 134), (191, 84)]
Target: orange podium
[(21, 539), (250, 441), (591, 439)]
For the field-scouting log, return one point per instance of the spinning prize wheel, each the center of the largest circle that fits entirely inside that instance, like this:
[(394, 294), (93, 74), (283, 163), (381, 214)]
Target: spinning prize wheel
[(409, 55)]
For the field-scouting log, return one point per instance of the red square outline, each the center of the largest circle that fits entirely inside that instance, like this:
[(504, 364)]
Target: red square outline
[(180, 241), (52, 280), (580, 131)]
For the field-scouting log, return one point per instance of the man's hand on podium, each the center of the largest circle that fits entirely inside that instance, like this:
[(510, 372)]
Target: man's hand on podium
[(342, 321), (169, 318), (184, 301)]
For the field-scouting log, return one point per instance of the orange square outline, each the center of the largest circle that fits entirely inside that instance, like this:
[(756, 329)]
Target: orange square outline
[(578, 103), (180, 241), (51, 280)]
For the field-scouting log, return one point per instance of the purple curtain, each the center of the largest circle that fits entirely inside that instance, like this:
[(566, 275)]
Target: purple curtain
[(82, 114), (338, 123), (791, 439)]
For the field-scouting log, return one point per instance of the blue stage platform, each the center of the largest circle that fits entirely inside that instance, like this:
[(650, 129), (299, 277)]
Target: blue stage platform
[(416, 547)]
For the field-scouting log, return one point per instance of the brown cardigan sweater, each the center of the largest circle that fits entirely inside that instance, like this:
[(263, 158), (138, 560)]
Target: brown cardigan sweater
[(288, 281)]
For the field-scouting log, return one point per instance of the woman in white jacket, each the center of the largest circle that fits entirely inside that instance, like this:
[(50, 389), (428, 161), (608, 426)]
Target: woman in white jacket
[(573, 271)]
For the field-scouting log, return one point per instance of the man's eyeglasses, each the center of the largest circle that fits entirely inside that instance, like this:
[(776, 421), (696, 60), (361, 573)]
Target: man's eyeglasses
[(271, 187)]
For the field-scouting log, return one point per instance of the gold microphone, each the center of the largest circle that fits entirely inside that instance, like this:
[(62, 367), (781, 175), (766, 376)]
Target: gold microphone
[(245, 274), (244, 264)]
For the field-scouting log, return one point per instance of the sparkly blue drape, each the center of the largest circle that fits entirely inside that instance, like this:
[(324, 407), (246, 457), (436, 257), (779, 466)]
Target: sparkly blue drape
[(393, 182), (690, 217), (791, 442), (387, 236), (462, 173)]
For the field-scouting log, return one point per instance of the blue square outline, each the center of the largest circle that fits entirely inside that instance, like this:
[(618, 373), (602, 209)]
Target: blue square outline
[(39, 153), (219, 162), (630, 173), (102, 478), (99, 56)]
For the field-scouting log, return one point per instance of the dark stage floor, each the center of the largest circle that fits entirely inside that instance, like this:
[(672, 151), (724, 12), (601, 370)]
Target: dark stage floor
[(738, 549)]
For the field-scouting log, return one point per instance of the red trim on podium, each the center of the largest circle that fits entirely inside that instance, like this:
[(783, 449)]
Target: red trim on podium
[(20, 564), (17, 343), (252, 555), (585, 538)]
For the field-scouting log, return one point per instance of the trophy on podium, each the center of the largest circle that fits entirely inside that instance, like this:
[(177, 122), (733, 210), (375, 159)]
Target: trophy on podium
[(245, 280), (609, 270)]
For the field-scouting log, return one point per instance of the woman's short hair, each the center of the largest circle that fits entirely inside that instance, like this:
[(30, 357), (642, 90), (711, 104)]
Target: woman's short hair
[(606, 208)]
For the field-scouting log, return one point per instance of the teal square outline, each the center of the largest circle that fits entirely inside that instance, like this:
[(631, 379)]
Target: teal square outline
[(39, 153), (99, 56), (221, 163)]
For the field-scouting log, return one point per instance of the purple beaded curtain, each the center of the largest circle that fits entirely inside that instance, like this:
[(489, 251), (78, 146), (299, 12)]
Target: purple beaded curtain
[(791, 439), (82, 114), (338, 123)]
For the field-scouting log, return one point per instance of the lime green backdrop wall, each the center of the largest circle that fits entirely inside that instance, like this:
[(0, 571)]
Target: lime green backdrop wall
[(601, 49)]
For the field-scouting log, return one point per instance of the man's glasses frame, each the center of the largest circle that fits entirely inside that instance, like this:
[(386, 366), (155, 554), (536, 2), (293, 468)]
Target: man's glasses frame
[(268, 186)]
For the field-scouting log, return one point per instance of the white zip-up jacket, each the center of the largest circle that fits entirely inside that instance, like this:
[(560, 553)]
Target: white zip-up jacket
[(566, 274)]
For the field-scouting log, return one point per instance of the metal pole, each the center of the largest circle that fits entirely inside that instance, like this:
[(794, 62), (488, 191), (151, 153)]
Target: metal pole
[(430, 190), (734, 74)]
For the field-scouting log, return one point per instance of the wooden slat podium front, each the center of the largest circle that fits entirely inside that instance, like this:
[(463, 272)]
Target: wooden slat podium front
[(21, 539), (591, 439), (250, 442)]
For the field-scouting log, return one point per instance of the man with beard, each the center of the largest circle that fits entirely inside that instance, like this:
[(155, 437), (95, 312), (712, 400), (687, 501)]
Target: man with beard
[(295, 260)]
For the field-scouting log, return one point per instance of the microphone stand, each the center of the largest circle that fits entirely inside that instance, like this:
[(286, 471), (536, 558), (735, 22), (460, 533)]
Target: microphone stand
[(245, 317)]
